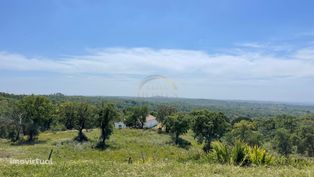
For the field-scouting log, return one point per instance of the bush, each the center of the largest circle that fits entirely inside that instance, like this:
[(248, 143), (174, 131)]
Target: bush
[(241, 154), (221, 151), (259, 156)]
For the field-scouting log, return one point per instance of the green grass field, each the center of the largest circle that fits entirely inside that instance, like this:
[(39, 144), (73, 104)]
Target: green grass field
[(152, 154)]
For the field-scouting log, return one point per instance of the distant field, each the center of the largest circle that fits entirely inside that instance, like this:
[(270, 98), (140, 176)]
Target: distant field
[(152, 154)]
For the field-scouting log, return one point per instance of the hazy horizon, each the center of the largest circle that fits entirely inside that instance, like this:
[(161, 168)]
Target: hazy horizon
[(201, 98)]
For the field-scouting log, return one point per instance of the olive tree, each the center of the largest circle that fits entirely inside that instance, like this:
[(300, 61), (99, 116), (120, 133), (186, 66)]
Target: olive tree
[(11, 123), (178, 124), (163, 111), (105, 115), (208, 126), (82, 120), (136, 116), (36, 111), (67, 113)]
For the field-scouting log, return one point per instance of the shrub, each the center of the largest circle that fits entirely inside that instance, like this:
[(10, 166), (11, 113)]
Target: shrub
[(221, 151), (259, 156), (239, 154), (242, 154)]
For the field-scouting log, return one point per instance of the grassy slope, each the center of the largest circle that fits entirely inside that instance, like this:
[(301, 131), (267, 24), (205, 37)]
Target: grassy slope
[(160, 158)]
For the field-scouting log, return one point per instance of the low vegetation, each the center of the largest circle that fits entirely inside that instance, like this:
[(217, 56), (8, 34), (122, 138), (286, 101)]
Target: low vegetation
[(151, 153)]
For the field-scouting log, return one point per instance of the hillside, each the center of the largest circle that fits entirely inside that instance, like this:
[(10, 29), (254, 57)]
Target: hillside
[(152, 154)]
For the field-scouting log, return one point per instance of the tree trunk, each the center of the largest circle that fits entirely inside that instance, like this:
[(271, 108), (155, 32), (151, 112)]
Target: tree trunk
[(177, 139), (103, 134), (207, 147), (31, 137), (17, 135), (167, 130), (81, 137)]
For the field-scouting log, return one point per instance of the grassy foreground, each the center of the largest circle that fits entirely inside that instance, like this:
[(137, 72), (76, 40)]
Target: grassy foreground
[(152, 154)]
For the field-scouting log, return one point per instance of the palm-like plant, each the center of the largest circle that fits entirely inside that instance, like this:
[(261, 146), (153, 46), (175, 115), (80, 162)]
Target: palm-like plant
[(239, 154), (221, 151), (259, 156)]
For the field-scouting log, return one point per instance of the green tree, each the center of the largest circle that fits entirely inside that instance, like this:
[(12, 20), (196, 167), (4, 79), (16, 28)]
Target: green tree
[(178, 124), (239, 119), (287, 122), (267, 127), (67, 113), (305, 145), (246, 132), (208, 126), (10, 123), (82, 121), (282, 142), (15, 124), (36, 111), (106, 114), (163, 111), (136, 116)]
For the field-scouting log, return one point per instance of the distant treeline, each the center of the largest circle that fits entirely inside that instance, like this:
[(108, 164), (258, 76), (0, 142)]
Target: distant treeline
[(232, 109)]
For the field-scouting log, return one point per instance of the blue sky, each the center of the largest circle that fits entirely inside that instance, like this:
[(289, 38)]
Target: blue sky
[(226, 49)]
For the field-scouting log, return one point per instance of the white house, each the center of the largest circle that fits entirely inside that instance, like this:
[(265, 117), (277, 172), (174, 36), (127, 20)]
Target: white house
[(150, 123)]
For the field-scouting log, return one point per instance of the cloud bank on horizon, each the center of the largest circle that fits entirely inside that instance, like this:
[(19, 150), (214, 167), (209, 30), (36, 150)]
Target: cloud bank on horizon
[(248, 71), (232, 65)]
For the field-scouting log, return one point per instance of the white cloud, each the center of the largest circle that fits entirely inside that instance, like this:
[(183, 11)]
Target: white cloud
[(252, 45), (19, 62), (170, 62), (305, 53), (244, 74)]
